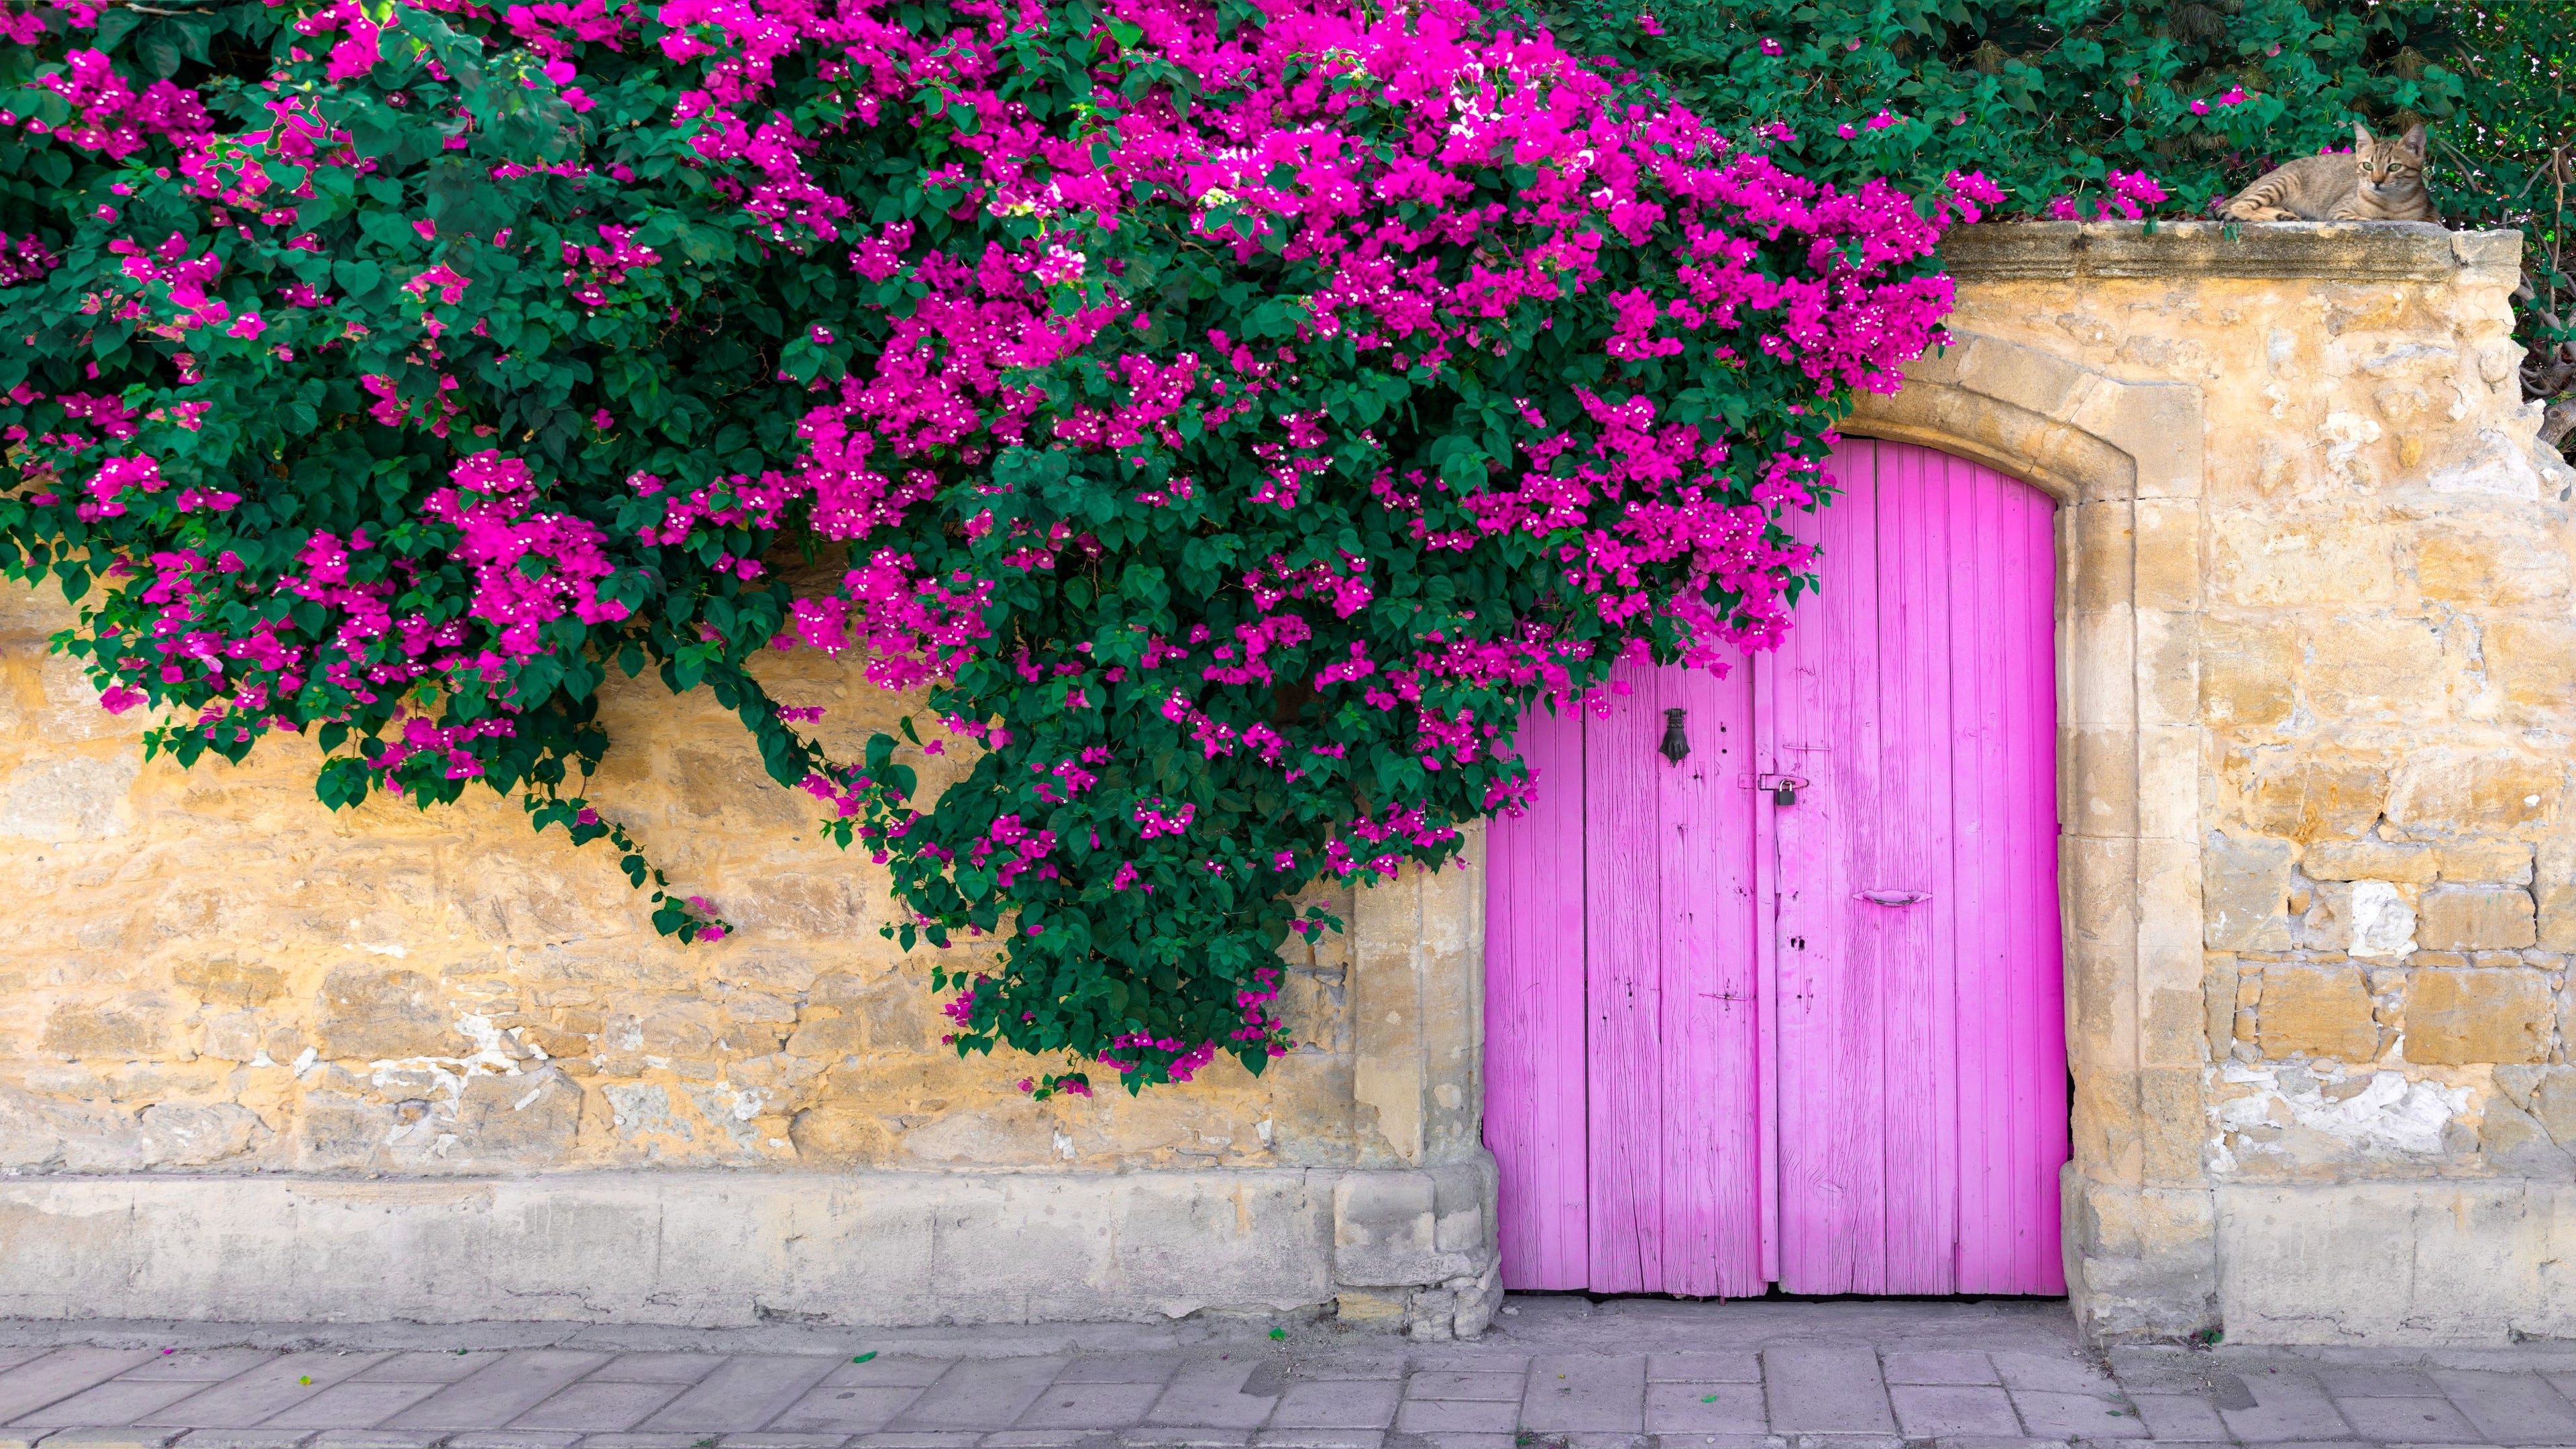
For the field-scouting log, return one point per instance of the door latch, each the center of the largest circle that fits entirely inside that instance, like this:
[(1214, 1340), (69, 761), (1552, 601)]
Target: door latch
[(1784, 788), (1676, 744), (1895, 898)]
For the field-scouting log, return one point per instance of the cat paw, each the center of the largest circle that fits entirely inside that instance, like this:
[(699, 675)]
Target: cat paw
[(2258, 213)]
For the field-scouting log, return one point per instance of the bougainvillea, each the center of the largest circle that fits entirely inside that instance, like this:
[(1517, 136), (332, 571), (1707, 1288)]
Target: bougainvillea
[(1232, 417)]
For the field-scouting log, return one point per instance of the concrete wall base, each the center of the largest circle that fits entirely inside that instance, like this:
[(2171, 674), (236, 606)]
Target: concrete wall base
[(2488, 1261), (1405, 1250)]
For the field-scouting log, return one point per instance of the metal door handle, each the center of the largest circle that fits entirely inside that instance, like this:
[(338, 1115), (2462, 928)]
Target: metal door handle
[(1676, 744), (1896, 898)]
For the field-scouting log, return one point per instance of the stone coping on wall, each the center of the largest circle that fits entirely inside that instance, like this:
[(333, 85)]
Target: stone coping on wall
[(2341, 251)]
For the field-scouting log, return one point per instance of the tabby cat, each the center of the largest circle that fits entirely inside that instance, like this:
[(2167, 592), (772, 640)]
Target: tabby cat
[(2382, 180)]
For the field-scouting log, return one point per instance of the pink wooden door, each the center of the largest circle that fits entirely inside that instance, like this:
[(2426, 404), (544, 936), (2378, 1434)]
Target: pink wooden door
[(1620, 971), (1818, 1043)]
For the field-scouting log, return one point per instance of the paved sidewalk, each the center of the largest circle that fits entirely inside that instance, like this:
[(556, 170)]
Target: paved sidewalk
[(1634, 1374)]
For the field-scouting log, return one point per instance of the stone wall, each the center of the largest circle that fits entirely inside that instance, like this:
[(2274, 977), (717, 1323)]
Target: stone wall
[(2317, 666), (2321, 688), (230, 1021)]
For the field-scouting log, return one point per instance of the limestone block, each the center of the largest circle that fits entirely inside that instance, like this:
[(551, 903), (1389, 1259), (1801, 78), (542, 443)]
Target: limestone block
[(1386, 1232), (2220, 984), (2552, 1103), (2527, 659), (2173, 1124), (2370, 859), (843, 1131), (824, 1032), (2102, 781), (2310, 797), (2168, 533), (368, 1013), (2476, 918), (42, 1133), (2461, 792), (121, 1028), (2504, 861), (2316, 1011), (2168, 671), (2140, 1261), (2490, 568), (223, 981), (2555, 891), (2323, 559), (337, 1132), (2368, 668), (2443, 1263), (69, 797), (2455, 1017), (182, 1134), (1372, 1312), (2245, 884), (1462, 1196), (240, 1036), (2247, 674), (705, 1249), (2513, 1143), (1477, 1298), (517, 1118)]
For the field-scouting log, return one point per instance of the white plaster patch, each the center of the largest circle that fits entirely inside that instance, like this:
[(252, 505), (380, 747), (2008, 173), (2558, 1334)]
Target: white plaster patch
[(2387, 1114), (2382, 923)]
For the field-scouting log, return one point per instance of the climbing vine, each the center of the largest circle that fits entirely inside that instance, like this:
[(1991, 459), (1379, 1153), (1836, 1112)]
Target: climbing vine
[(1232, 417)]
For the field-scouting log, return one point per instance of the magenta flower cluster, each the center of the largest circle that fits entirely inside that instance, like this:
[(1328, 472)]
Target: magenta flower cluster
[(1233, 426)]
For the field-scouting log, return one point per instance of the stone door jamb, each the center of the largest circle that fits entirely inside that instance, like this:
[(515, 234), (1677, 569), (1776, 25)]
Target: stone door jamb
[(2125, 461)]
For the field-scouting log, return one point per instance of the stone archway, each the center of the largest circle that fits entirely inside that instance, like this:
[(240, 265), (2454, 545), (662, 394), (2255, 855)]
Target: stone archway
[(2125, 461)]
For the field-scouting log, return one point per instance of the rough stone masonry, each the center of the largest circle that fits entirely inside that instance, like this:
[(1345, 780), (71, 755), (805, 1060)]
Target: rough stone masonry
[(2318, 681)]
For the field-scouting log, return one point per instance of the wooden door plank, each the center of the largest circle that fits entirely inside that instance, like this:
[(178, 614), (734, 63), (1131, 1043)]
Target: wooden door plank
[(1766, 674), (1534, 1020), (1824, 728), (2039, 1091), (1712, 1204), (2039, 1259), (1623, 986), (1903, 847), (1983, 753), (2011, 1034)]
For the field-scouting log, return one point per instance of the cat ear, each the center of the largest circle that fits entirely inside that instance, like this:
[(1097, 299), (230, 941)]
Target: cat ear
[(2361, 136), (2414, 138)]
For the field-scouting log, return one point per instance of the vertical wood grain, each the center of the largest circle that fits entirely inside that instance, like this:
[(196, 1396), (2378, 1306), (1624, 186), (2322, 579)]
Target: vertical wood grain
[(1623, 985), (1534, 1021), (1712, 1177), (1711, 1064), (1906, 846), (1823, 728)]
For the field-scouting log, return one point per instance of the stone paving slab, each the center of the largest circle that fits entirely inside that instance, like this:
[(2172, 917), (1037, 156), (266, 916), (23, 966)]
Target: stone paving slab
[(1557, 1373)]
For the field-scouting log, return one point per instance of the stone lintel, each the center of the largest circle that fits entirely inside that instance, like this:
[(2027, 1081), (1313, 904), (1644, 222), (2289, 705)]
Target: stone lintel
[(2337, 251)]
